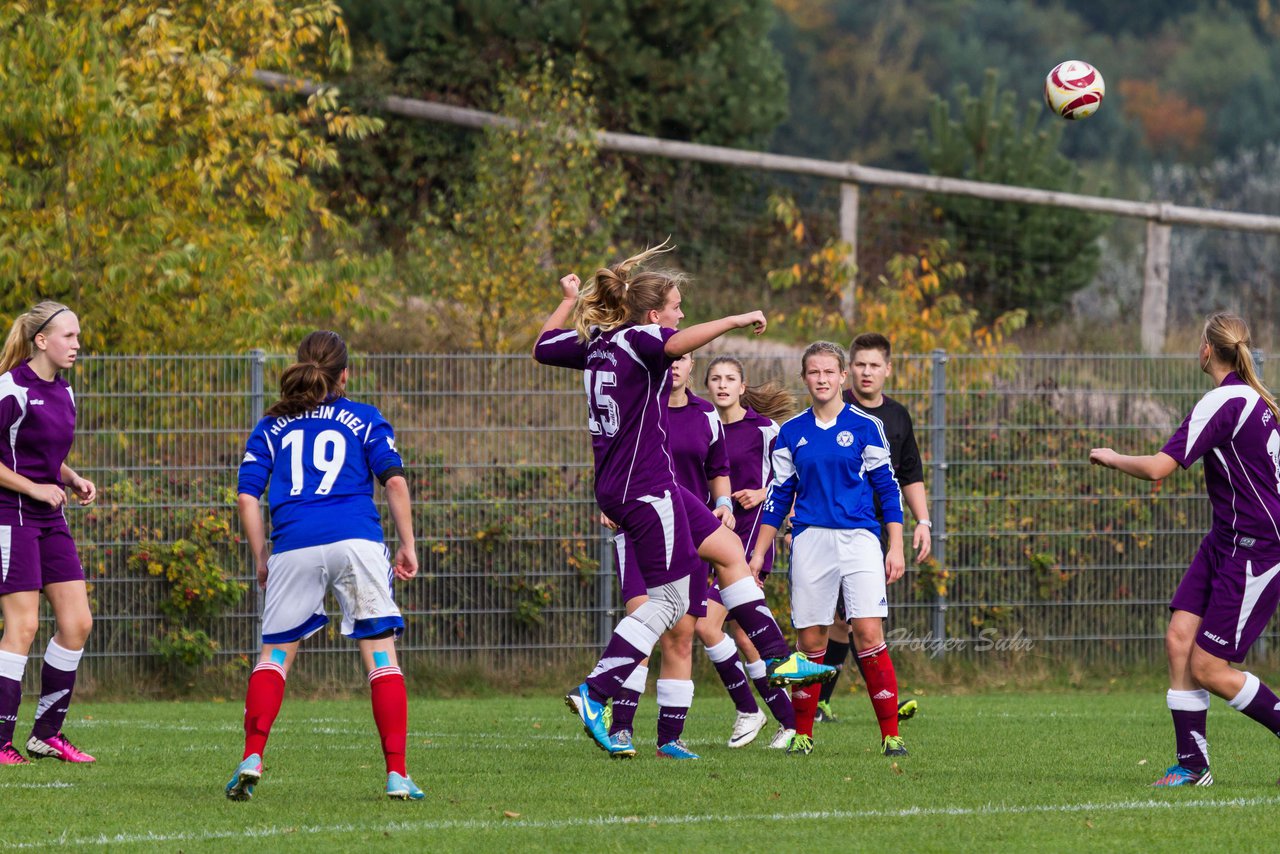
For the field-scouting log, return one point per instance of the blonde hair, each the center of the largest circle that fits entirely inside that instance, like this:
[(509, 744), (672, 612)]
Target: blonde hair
[(822, 348), (1228, 337), (21, 343), (616, 295), (772, 400)]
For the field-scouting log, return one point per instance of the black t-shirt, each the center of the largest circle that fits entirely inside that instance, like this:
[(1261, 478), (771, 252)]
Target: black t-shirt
[(900, 432)]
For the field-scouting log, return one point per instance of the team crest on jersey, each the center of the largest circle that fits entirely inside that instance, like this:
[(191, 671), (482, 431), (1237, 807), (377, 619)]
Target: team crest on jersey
[(844, 439)]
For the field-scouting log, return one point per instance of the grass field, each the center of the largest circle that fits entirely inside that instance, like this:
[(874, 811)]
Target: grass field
[(1046, 772)]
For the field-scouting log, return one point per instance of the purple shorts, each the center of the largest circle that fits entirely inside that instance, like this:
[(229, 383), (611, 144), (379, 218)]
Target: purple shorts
[(32, 556), (1234, 595)]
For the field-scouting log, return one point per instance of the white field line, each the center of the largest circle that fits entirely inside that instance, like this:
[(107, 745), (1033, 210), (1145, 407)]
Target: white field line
[(271, 831)]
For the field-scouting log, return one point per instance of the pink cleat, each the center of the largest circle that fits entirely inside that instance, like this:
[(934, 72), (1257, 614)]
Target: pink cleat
[(9, 755), (56, 747)]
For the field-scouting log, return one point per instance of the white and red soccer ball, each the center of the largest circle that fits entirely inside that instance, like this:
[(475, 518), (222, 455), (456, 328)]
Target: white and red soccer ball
[(1074, 89)]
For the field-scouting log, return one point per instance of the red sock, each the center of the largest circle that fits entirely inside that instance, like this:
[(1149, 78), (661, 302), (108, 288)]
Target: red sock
[(391, 714), (261, 705), (805, 699), (882, 687)]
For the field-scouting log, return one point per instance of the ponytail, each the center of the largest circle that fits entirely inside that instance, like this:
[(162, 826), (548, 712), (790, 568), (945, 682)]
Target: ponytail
[(1228, 337), (314, 378), (615, 296), (20, 343)]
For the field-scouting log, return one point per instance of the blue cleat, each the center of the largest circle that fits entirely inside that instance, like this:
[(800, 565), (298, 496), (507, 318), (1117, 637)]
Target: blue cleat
[(402, 788), (594, 716), (1176, 775), (620, 746), (797, 669), (676, 750), (247, 774)]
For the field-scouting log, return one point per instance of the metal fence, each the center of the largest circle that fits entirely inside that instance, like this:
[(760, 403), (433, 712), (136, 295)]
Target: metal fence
[(1035, 548)]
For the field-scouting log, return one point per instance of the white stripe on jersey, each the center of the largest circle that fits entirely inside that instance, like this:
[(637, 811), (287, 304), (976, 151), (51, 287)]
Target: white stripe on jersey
[(1253, 589), (1236, 452), (572, 333), (9, 388), (1226, 469), (652, 395), (1209, 405)]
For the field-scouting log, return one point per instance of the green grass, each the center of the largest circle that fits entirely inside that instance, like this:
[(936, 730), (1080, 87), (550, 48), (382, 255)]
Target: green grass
[(987, 772)]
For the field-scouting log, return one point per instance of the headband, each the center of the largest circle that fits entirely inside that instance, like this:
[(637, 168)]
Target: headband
[(41, 327)]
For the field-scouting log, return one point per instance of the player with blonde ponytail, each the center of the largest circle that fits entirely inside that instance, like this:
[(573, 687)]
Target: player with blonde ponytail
[(37, 421), (1232, 587)]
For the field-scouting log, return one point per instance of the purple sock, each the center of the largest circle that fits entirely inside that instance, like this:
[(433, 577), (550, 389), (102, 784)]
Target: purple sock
[(57, 681), (628, 700), (1258, 702), (745, 603), (631, 643), (724, 655), (11, 668), (1190, 710), (777, 699), (675, 696)]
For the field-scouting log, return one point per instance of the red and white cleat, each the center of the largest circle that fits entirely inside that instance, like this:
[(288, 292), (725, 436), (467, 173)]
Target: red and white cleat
[(56, 747)]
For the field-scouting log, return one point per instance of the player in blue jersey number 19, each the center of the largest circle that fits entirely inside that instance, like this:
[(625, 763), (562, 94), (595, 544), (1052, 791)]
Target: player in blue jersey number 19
[(319, 453)]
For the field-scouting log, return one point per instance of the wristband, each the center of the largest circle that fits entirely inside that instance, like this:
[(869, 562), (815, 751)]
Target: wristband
[(925, 522), (724, 501)]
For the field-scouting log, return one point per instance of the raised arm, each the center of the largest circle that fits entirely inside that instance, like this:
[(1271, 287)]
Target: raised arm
[(690, 339), (559, 318)]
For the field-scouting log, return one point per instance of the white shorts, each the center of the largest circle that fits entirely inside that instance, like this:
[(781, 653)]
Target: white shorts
[(358, 572), (826, 562)]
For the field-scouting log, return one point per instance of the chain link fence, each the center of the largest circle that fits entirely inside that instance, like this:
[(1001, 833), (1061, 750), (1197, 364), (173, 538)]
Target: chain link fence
[(1035, 550)]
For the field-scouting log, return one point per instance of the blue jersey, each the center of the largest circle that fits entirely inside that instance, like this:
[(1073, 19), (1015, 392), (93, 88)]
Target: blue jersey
[(832, 472), (321, 465)]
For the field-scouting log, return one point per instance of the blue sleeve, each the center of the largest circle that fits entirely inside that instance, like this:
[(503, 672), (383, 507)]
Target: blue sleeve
[(258, 462), (380, 446), (782, 489), (879, 467)]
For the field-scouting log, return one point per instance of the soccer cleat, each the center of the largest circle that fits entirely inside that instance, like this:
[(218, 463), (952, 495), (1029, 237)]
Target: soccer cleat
[(1176, 775), (620, 746), (9, 755), (797, 669), (907, 710), (402, 788), (782, 738), (56, 747), (246, 776), (824, 715), (893, 745), (592, 714), (746, 728), (800, 745), (676, 750)]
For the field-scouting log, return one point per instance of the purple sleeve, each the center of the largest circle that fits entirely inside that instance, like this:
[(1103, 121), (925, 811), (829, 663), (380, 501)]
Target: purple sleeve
[(9, 411), (717, 464), (1206, 427), (649, 344), (561, 348)]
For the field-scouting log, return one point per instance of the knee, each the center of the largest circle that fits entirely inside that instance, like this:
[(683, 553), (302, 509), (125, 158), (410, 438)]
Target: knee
[(1179, 640), (20, 632), (866, 634)]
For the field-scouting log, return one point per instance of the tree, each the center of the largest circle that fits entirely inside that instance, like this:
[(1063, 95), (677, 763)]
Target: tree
[(149, 183), (1015, 255), (541, 204)]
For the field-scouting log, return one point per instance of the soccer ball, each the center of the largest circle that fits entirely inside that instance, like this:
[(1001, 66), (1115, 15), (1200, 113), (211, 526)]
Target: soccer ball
[(1074, 89)]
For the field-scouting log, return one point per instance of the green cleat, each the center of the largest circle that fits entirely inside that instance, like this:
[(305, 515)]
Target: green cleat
[(893, 746), (907, 710), (797, 669), (824, 714), (801, 745)]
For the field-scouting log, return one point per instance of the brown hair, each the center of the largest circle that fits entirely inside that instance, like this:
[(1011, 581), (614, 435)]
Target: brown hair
[(772, 400), (1228, 337), (21, 343), (822, 348), (315, 377), (871, 341), (616, 295)]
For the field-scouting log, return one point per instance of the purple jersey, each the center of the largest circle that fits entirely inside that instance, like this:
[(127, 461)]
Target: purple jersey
[(750, 446), (625, 372), (38, 423), (697, 446), (1235, 432)]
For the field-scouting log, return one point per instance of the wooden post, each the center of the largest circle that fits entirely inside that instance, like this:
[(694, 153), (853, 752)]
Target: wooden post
[(849, 234), (1155, 287)]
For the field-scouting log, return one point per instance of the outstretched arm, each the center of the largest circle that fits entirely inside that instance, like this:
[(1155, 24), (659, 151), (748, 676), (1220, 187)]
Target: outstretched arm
[(688, 340), (559, 319), (1155, 466)]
